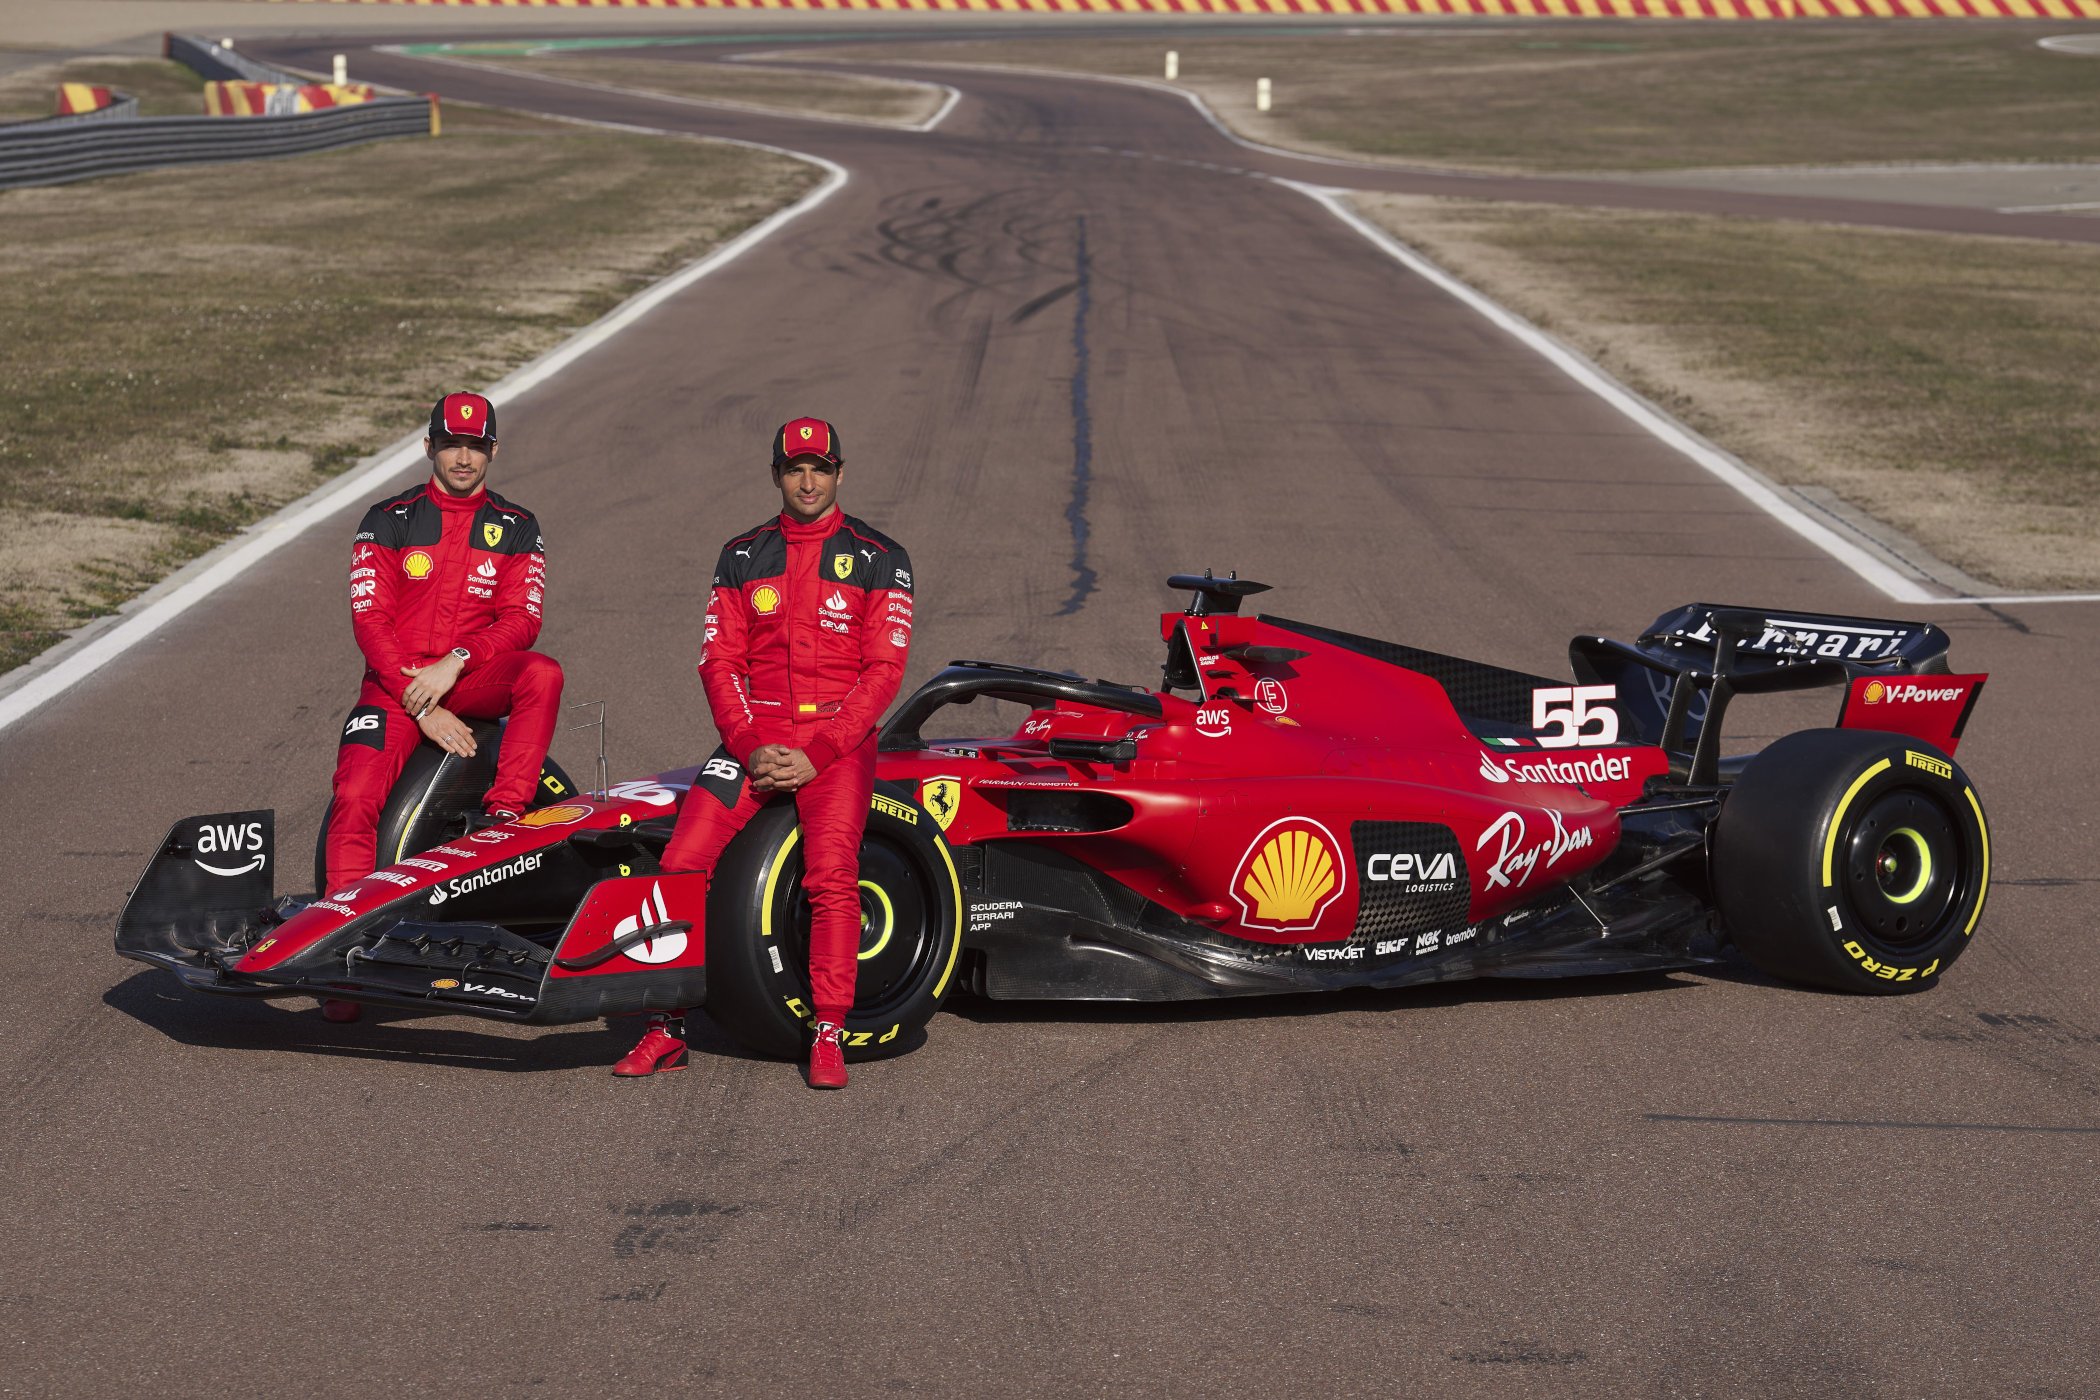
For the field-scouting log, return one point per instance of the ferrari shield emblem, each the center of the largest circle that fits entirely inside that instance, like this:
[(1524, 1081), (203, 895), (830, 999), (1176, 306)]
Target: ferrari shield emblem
[(842, 565), (492, 534), (941, 797)]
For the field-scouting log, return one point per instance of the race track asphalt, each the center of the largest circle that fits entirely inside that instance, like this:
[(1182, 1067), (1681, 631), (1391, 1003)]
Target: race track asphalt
[(1661, 1185)]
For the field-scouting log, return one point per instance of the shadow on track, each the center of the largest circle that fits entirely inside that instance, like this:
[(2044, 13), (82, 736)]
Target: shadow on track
[(294, 1025), (983, 1011)]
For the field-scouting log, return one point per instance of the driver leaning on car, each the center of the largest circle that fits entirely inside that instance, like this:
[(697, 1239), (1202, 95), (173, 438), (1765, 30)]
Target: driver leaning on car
[(446, 585)]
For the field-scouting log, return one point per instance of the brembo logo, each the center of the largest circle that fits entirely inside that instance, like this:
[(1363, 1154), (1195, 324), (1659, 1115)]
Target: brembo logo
[(1908, 693)]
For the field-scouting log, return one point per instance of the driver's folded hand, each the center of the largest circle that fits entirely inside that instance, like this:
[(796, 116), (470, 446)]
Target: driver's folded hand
[(448, 731)]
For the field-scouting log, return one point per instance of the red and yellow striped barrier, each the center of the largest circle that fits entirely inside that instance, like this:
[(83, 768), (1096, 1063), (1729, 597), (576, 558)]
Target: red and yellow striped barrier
[(1527, 9), (76, 98), (246, 99)]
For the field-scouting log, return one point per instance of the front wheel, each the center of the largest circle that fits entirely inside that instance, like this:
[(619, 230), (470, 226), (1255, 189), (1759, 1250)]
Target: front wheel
[(435, 796), (911, 918), (1852, 860)]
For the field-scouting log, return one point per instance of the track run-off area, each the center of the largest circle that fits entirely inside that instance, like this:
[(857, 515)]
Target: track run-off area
[(1076, 338)]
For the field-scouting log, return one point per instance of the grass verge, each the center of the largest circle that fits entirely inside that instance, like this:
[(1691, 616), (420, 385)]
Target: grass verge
[(164, 89), (1601, 96), (646, 70), (185, 351), (1939, 383)]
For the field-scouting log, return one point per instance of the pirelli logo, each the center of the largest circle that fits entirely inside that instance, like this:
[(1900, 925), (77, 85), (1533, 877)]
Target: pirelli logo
[(901, 811), (1930, 765)]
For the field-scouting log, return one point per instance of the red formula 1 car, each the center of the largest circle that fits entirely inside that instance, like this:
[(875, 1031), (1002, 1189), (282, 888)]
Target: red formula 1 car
[(1294, 809)]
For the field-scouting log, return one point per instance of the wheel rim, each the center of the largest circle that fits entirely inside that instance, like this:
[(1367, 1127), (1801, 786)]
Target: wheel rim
[(899, 927), (1903, 866)]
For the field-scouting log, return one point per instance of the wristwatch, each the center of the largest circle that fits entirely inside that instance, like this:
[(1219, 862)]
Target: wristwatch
[(463, 654)]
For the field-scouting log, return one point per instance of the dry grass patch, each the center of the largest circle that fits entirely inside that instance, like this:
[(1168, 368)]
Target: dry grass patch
[(1599, 96), (1939, 383), (185, 351), (163, 88), (661, 70)]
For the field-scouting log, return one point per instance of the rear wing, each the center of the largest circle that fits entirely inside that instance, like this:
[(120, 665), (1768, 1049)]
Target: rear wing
[(1675, 680)]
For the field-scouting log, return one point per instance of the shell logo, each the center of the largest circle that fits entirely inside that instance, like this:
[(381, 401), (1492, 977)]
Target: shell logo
[(1875, 693), (553, 816), (1290, 874), (445, 984), (417, 565), (765, 599)]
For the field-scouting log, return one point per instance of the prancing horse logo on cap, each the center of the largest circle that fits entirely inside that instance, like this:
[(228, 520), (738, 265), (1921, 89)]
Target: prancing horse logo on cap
[(807, 432)]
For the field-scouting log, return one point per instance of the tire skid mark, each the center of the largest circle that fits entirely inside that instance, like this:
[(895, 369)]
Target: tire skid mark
[(1082, 432)]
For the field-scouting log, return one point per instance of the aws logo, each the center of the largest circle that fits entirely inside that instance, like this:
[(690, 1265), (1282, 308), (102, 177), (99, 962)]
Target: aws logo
[(1290, 874), (240, 842)]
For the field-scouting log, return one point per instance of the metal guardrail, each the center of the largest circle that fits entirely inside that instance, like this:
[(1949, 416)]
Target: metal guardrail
[(41, 153), (117, 140), (219, 63), (124, 109)]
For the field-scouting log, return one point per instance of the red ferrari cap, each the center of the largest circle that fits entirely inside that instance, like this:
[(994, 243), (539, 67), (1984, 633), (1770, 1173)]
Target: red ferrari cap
[(807, 437), (463, 415)]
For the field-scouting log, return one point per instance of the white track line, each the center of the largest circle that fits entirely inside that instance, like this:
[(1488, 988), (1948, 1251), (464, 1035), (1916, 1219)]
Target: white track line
[(73, 661), (1750, 484), (947, 104), (1760, 493), (2049, 208)]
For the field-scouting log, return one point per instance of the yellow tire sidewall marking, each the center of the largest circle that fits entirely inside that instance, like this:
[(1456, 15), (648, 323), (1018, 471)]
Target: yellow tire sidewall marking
[(1837, 818)]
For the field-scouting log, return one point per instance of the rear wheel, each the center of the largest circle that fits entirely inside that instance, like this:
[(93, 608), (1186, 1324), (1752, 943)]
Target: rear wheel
[(435, 795), (758, 920), (1852, 860)]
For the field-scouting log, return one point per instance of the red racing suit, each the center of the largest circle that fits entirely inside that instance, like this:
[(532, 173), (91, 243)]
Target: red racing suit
[(430, 571), (808, 630)]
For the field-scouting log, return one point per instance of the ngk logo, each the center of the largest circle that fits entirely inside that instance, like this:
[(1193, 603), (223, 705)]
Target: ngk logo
[(1908, 693)]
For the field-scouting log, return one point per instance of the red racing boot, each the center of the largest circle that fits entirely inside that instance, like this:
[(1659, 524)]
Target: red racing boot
[(662, 1047), (340, 1012), (827, 1062)]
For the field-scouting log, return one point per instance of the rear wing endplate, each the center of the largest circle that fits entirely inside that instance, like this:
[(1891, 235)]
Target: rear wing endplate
[(1675, 680)]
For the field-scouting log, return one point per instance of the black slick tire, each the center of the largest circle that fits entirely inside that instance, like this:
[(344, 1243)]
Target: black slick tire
[(758, 933), (1853, 860), (436, 793)]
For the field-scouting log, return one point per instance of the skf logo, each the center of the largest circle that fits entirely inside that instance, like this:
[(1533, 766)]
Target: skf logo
[(765, 599), (942, 797), (841, 564), (661, 949), (417, 564), (492, 534), (553, 816), (1291, 872)]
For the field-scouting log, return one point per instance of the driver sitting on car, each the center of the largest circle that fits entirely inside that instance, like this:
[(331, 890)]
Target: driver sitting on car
[(445, 591)]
